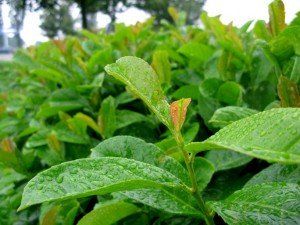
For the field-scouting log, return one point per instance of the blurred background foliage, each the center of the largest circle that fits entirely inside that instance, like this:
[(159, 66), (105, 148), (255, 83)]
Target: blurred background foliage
[(56, 18), (56, 102)]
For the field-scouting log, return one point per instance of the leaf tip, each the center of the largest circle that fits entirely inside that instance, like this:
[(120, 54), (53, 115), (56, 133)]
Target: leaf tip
[(178, 111)]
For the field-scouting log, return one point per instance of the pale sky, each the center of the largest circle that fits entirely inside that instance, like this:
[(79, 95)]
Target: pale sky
[(236, 11)]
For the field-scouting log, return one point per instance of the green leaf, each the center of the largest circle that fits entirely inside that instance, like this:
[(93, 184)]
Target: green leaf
[(277, 17), (224, 159), (277, 173), (162, 66), (226, 115), (61, 100), (126, 117), (261, 31), (175, 202), (10, 159), (275, 203), (230, 93), (207, 102), (141, 79), (137, 149), (63, 213), (49, 74), (225, 183), (107, 117), (296, 70), (108, 213), (85, 177), (197, 52), (204, 171), (88, 122), (187, 91), (271, 135)]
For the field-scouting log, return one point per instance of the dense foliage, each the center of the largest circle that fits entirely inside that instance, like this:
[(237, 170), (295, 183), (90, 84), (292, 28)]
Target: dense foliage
[(187, 125)]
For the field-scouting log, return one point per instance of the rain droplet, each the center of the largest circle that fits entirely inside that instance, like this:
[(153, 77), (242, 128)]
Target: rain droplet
[(263, 133), (60, 179)]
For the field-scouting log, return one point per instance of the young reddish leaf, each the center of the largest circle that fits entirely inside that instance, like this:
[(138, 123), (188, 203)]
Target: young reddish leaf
[(178, 112), (277, 17), (8, 145), (288, 93)]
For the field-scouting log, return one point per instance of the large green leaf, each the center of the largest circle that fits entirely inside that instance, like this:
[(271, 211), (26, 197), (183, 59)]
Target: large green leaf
[(108, 213), (137, 149), (85, 177), (226, 115), (275, 203), (272, 135), (277, 173), (175, 202), (141, 79)]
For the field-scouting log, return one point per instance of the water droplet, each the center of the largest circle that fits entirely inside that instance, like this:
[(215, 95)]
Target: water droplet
[(60, 179), (263, 133), (39, 186)]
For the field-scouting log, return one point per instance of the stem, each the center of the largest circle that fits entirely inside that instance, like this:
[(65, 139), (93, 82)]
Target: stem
[(189, 161)]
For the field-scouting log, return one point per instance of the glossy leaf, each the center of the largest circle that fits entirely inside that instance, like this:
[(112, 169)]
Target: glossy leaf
[(226, 115), (143, 82), (271, 135), (137, 149), (275, 203), (85, 177), (108, 213), (277, 173), (172, 202)]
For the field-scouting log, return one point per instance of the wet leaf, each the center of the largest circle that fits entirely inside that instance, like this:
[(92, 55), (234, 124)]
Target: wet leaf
[(86, 177), (141, 79), (261, 204), (271, 135)]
